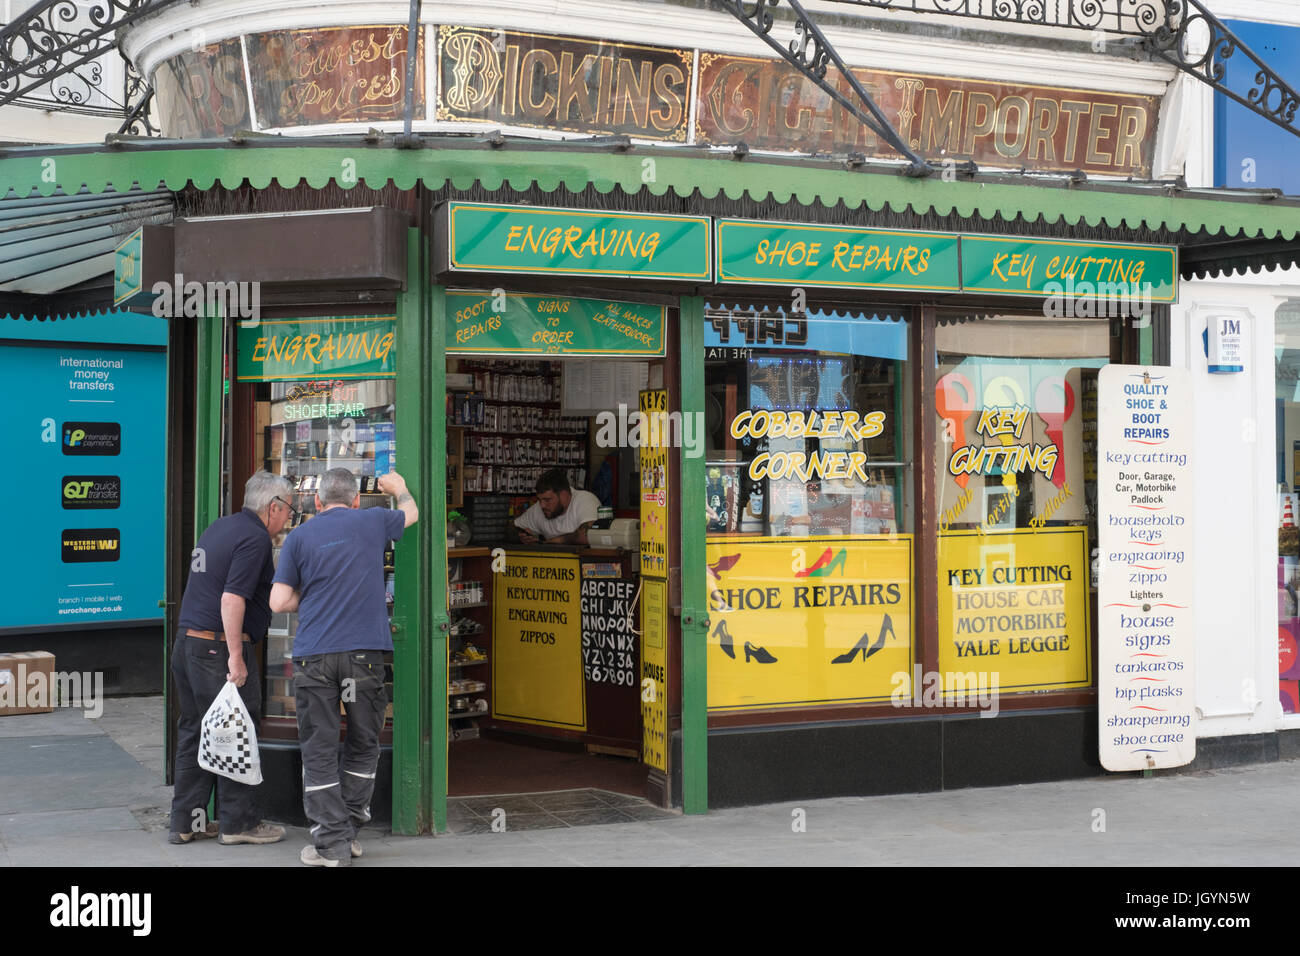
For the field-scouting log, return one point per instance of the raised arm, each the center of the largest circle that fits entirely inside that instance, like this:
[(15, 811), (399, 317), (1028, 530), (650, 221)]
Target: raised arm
[(395, 485)]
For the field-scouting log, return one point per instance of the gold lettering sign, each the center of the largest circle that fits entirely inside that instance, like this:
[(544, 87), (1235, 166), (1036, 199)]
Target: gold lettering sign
[(770, 106), (202, 93), (332, 75), (549, 82)]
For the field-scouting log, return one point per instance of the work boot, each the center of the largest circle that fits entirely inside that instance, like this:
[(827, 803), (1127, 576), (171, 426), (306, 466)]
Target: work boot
[(208, 833), (312, 858), (262, 833)]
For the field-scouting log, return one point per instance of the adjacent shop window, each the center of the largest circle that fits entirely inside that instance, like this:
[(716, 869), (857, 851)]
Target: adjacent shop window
[(1287, 351), (808, 516), (1015, 463), (324, 398)]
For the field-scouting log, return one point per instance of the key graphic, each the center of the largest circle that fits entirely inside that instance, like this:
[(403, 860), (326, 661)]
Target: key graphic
[(954, 399), (1054, 399)]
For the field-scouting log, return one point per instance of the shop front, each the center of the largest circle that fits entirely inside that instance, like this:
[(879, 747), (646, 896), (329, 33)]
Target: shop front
[(846, 483), (849, 457)]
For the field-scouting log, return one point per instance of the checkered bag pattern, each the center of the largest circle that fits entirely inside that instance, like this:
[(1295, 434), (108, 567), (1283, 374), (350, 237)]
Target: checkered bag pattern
[(228, 742)]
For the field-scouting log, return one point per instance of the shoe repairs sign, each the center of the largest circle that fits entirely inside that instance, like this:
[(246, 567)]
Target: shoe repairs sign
[(796, 622), (1146, 614)]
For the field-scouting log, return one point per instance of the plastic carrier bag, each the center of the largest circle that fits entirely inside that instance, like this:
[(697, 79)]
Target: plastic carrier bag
[(228, 743)]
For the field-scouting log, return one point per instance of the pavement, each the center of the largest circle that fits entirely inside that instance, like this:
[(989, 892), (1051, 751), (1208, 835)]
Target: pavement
[(78, 792)]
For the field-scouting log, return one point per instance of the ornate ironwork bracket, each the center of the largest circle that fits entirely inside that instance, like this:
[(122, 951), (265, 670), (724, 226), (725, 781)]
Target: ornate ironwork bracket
[(47, 42), (811, 54), (1270, 96)]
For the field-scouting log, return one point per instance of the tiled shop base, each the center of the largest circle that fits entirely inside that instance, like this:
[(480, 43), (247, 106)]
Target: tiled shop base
[(545, 811)]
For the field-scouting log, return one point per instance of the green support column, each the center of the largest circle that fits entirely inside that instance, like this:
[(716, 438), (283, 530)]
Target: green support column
[(695, 724), (411, 693), (435, 513), (208, 405)]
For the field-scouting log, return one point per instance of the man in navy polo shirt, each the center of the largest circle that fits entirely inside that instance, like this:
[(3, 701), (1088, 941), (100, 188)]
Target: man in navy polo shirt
[(224, 614), (331, 572)]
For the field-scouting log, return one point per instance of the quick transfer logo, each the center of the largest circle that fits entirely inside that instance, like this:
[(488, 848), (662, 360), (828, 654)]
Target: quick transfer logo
[(91, 491), (92, 438), (91, 544)]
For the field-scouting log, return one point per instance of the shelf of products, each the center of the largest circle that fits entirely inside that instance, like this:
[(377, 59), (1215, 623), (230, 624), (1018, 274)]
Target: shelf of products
[(470, 582), (511, 428)]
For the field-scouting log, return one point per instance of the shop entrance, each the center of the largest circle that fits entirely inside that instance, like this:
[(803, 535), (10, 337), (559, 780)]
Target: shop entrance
[(544, 490)]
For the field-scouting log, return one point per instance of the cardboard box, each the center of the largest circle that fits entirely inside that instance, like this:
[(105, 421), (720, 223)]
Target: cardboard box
[(26, 683)]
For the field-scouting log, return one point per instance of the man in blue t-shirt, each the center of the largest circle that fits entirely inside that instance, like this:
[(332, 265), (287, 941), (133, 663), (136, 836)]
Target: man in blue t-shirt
[(331, 572)]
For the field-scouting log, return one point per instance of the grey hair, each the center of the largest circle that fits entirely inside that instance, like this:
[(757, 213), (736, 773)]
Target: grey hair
[(338, 486), (263, 487)]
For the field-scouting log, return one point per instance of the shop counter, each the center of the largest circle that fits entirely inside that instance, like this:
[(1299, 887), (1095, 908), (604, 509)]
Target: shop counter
[(558, 629)]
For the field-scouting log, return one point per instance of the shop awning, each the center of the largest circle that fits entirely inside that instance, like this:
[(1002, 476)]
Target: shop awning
[(52, 244), (1218, 231)]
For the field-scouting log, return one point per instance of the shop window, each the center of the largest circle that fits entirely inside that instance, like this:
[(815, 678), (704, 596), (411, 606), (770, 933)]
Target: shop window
[(1015, 484), (1287, 398), (305, 428), (323, 394), (808, 507)]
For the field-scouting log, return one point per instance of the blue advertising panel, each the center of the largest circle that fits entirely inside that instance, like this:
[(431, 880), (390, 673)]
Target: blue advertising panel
[(84, 536), (1249, 151)]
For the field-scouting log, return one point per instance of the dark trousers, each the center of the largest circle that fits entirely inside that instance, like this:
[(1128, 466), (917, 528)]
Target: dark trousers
[(336, 789), (199, 670)]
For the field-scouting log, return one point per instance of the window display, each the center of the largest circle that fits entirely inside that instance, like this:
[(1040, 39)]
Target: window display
[(1015, 479), (305, 428), (808, 508)]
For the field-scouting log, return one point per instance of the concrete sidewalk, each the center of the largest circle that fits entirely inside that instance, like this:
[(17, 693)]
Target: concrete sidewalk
[(77, 792)]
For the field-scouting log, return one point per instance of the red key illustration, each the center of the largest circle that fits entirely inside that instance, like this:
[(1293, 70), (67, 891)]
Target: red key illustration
[(955, 407), (1054, 401)]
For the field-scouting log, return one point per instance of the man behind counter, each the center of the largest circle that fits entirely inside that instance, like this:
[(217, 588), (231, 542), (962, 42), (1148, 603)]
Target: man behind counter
[(561, 515)]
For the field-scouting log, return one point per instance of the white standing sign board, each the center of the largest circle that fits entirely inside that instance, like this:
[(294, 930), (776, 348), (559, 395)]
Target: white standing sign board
[(1146, 597)]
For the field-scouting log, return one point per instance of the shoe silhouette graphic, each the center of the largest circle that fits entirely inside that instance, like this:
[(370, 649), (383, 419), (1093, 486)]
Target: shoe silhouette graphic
[(759, 654), (816, 566), (724, 639), (825, 565), (725, 563), (887, 627)]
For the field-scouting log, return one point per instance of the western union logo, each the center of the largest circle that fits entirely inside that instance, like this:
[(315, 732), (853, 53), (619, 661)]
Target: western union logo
[(91, 544)]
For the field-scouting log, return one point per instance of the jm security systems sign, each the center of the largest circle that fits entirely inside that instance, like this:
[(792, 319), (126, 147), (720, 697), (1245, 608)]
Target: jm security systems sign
[(1146, 616)]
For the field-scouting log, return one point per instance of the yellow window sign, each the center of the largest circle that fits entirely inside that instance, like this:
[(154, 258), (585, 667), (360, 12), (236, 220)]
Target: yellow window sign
[(1015, 604), (654, 673), (537, 642), (799, 622)]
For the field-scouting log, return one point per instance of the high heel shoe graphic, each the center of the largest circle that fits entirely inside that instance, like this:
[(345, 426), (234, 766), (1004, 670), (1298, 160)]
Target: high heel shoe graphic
[(825, 565), (759, 654), (816, 567), (724, 639), (725, 563), (887, 627)]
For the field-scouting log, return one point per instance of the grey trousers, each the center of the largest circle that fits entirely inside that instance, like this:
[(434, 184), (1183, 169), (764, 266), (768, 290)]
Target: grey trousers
[(336, 788)]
